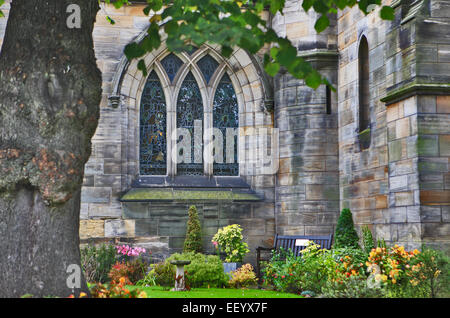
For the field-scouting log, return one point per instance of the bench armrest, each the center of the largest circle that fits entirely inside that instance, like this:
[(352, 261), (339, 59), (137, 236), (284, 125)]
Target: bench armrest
[(261, 248)]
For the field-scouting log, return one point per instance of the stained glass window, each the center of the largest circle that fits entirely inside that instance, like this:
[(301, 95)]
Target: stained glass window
[(171, 64), (190, 113), (226, 119), (153, 145), (208, 66)]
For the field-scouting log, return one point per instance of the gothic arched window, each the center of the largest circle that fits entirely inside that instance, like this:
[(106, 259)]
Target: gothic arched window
[(200, 108), (190, 124), (226, 120), (153, 116)]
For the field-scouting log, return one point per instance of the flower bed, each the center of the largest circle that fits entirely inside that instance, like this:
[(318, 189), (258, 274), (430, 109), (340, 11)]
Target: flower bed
[(351, 272)]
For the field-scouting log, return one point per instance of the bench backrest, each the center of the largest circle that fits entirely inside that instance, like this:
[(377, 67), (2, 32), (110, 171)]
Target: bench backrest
[(288, 242)]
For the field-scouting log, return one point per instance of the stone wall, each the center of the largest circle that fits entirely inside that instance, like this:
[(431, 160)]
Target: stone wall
[(307, 188), (386, 186)]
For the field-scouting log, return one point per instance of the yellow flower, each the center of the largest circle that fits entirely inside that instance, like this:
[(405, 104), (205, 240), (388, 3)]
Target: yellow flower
[(378, 250), (142, 294), (393, 281), (82, 294), (415, 252)]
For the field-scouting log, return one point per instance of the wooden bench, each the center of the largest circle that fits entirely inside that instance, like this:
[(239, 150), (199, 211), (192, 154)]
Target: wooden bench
[(295, 243)]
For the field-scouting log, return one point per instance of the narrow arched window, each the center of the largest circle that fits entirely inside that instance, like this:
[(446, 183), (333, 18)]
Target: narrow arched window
[(364, 93), (190, 128), (363, 71), (226, 124), (153, 115)]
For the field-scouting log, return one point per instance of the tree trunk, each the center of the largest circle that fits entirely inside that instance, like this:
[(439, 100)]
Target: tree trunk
[(50, 91)]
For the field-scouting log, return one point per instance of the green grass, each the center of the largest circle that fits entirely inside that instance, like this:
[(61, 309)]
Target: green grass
[(160, 292)]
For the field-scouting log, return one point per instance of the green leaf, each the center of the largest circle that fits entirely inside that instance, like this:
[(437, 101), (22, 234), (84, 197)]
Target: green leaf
[(313, 80), (322, 23), (110, 20), (307, 4), (273, 52), (276, 5), (272, 68), (226, 51), (141, 66), (387, 13), (133, 50)]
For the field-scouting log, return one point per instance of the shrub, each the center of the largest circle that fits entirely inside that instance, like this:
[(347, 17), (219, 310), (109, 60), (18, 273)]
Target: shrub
[(351, 287), (131, 271), (163, 273), (97, 262), (345, 235), (116, 290), (243, 277), (367, 239), (230, 240), (148, 280), (193, 241), (204, 270), (295, 274), (430, 273)]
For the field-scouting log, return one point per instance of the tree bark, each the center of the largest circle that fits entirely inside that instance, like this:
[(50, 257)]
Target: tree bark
[(50, 91)]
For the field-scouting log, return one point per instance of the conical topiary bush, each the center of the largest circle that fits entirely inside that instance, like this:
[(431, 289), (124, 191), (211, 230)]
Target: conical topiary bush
[(193, 241), (345, 235)]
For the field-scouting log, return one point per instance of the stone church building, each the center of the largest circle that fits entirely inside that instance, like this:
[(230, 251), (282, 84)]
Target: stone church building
[(284, 158)]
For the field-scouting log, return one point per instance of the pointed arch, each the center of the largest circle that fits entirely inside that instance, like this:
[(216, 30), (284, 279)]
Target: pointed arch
[(153, 128)]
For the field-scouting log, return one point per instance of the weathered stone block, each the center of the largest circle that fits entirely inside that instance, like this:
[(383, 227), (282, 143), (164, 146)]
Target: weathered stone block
[(92, 228), (427, 145), (95, 194), (146, 227), (398, 214), (430, 214), (404, 198), (444, 145), (398, 183), (135, 210), (115, 228)]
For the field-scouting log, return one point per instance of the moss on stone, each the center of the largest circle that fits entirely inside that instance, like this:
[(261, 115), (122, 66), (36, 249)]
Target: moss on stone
[(147, 194)]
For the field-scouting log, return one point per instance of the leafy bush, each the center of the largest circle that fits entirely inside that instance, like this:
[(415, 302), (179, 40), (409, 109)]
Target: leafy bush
[(351, 287), (295, 274), (230, 240), (131, 271), (148, 280), (163, 274), (367, 239), (116, 290), (243, 277), (204, 270), (193, 241), (430, 273), (97, 261), (345, 235)]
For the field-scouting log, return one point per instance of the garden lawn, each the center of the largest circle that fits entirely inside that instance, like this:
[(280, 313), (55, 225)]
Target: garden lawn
[(160, 292)]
